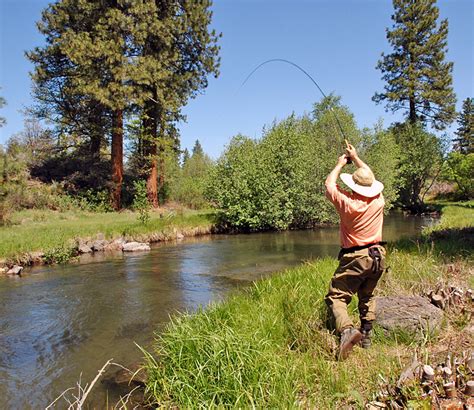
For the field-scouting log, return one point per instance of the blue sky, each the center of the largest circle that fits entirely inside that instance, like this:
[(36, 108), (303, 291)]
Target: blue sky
[(337, 41)]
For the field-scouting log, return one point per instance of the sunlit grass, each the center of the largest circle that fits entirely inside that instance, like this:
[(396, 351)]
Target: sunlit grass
[(268, 346), (37, 230)]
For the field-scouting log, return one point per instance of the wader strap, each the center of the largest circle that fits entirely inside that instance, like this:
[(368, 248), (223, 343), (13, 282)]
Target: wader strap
[(374, 253)]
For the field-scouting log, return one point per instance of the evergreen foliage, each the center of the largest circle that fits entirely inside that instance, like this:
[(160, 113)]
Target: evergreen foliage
[(418, 80), (197, 148), (105, 60), (464, 141), (188, 182), (2, 104)]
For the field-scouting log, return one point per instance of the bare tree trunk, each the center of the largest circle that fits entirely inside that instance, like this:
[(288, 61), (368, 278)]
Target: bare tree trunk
[(161, 158), (152, 181), (151, 150), (117, 158)]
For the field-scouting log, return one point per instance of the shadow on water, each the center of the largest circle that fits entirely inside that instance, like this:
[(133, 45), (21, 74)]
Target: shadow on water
[(62, 323)]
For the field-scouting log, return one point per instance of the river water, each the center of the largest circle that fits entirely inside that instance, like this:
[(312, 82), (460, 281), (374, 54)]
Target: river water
[(60, 324)]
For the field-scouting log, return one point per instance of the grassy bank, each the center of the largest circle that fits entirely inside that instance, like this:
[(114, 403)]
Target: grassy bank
[(45, 231), (268, 346)]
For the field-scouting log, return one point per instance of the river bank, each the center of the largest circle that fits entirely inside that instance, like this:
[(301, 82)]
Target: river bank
[(268, 346), (39, 237), (45, 237)]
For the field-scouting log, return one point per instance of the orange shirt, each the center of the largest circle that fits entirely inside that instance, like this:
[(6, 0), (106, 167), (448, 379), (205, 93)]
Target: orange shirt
[(361, 217)]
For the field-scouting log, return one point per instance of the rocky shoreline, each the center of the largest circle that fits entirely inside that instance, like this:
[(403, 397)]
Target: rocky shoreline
[(14, 267)]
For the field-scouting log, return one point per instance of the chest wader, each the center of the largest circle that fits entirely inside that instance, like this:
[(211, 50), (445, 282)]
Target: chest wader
[(377, 270)]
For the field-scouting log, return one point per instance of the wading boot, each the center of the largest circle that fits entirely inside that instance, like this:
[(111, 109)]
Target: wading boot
[(366, 328), (349, 338)]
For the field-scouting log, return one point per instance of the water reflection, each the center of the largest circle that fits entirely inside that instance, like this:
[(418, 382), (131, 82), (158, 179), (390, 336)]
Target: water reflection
[(64, 321)]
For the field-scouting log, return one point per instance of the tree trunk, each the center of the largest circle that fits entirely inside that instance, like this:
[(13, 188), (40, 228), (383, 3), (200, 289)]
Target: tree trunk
[(161, 160), (149, 125), (94, 145), (412, 115), (117, 158), (152, 181)]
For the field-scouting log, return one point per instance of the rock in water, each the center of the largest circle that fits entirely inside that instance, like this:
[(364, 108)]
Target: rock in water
[(136, 247), (98, 245), (115, 245), (16, 270), (83, 248), (408, 313)]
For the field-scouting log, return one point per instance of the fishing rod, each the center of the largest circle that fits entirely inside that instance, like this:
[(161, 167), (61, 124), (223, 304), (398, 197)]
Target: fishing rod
[(282, 60)]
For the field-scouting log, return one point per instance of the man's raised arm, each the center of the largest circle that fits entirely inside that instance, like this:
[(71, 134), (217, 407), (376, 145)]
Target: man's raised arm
[(332, 177)]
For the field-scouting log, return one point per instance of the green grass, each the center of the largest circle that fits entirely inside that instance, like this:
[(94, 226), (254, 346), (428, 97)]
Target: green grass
[(268, 346), (45, 231)]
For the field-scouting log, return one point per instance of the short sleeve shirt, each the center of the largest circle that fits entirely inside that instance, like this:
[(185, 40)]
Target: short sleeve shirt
[(361, 217)]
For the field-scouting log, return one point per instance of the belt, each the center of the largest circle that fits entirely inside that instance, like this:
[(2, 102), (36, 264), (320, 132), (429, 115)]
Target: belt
[(343, 251)]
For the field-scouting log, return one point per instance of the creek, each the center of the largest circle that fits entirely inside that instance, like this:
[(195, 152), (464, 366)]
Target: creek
[(60, 324)]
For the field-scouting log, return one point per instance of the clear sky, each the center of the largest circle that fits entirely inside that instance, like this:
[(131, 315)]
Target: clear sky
[(337, 41)]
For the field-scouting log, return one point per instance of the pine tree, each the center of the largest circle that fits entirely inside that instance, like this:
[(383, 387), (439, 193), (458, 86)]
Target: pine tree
[(2, 104), (185, 157), (121, 57), (464, 143), (197, 149), (418, 80), (187, 52)]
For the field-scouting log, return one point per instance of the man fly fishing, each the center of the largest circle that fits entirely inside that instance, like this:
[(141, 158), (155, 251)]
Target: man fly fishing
[(362, 256)]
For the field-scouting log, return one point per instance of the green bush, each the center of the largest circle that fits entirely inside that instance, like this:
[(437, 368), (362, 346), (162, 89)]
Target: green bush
[(96, 201), (459, 168), (140, 202), (277, 182)]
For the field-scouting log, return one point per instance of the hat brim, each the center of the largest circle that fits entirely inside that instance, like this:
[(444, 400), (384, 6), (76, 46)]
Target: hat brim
[(367, 191)]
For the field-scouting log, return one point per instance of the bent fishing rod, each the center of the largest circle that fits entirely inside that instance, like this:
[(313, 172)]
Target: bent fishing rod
[(282, 60)]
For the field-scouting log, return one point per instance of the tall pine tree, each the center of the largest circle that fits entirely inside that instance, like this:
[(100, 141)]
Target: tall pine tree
[(464, 141), (124, 57), (185, 51), (418, 80)]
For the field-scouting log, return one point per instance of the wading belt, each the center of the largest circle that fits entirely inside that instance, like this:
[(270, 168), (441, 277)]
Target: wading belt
[(343, 251)]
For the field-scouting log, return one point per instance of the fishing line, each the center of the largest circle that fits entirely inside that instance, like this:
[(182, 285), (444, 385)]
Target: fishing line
[(282, 60)]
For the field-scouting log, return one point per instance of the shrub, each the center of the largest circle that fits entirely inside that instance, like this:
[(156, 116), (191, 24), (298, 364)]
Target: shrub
[(140, 202), (277, 182), (459, 168)]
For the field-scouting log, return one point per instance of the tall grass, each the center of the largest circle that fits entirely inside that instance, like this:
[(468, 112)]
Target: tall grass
[(268, 346)]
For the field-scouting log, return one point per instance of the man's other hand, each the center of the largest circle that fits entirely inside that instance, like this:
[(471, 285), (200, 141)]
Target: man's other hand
[(350, 151), (342, 160)]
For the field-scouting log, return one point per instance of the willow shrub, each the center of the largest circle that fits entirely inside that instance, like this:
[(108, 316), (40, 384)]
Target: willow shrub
[(277, 182)]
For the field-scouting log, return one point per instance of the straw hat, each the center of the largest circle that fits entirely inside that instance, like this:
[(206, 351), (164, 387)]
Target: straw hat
[(363, 182)]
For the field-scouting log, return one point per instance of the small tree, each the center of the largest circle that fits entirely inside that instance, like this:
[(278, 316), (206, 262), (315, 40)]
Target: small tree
[(464, 143), (421, 155), (140, 202), (197, 149)]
